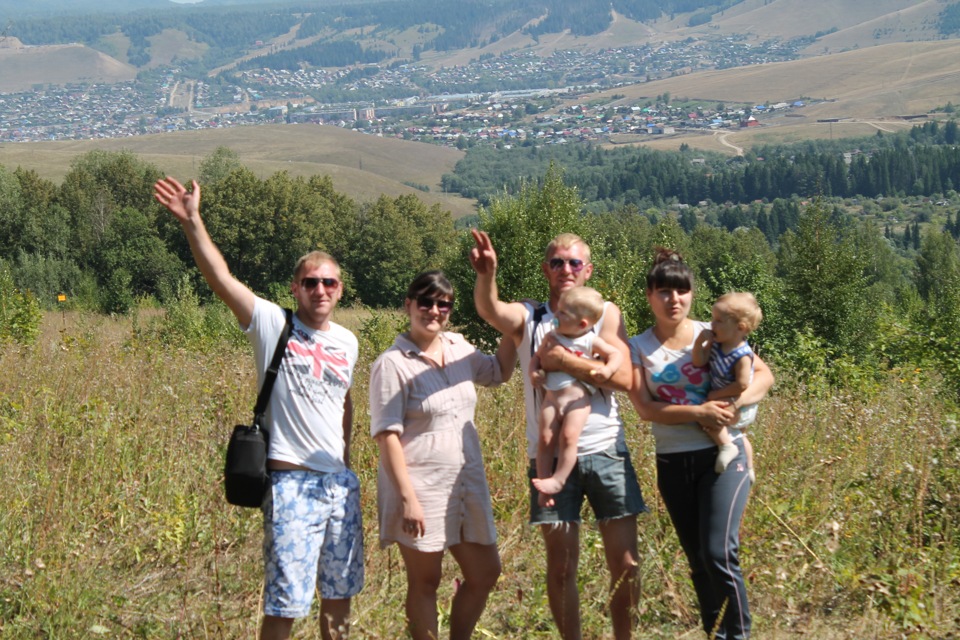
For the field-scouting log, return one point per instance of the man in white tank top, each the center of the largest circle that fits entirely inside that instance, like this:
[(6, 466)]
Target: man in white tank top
[(604, 474)]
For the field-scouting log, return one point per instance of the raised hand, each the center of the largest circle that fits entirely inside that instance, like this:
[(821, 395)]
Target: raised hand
[(183, 204), (483, 257)]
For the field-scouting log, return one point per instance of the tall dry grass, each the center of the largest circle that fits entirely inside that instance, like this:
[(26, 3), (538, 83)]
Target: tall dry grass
[(114, 525)]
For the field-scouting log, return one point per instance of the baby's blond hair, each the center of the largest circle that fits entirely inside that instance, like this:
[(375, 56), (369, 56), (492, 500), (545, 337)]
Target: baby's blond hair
[(584, 303), (742, 307)]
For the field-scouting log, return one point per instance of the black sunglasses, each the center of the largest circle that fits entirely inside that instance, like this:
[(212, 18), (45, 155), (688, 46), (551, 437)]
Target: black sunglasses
[(425, 303), (576, 264), (311, 283)]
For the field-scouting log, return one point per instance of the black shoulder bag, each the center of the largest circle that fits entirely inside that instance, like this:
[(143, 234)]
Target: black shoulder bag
[(245, 476)]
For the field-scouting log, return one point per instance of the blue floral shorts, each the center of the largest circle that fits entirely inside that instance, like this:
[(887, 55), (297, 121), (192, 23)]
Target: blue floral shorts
[(312, 535)]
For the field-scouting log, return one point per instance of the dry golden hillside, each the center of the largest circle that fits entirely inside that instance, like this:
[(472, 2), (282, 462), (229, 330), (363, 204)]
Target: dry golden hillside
[(788, 19), (24, 67), (888, 80), (361, 166)]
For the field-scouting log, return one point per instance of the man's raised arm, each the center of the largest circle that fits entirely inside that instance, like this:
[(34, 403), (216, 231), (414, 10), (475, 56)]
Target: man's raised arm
[(185, 207), (505, 317)]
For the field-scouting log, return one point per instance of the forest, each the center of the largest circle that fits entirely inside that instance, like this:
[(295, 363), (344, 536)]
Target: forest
[(99, 239), (923, 161)]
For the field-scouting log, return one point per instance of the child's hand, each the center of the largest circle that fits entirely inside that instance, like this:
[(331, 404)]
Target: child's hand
[(705, 339), (601, 375), (538, 377)]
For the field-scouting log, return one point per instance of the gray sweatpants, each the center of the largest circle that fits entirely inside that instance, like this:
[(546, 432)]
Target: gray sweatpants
[(706, 510)]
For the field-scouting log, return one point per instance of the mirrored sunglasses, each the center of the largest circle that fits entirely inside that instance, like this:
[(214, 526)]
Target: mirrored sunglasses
[(576, 264)]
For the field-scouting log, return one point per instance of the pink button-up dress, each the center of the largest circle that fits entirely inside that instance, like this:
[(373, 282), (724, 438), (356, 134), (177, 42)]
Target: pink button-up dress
[(432, 409)]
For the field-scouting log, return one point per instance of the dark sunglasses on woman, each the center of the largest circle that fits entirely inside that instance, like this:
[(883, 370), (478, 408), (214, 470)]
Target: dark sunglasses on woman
[(425, 303)]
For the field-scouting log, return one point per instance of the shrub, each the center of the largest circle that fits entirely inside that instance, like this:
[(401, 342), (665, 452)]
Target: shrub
[(189, 324), (20, 314)]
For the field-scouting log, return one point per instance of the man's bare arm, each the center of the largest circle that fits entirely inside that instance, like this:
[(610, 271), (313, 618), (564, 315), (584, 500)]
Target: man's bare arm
[(185, 207), (347, 427)]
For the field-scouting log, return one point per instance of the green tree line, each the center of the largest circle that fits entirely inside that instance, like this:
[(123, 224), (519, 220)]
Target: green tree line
[(922, 162), (839, 299), (99, 238)]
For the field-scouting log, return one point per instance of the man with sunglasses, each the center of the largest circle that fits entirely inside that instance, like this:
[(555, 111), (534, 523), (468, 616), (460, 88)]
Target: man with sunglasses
[(604, 474), (311, 513)]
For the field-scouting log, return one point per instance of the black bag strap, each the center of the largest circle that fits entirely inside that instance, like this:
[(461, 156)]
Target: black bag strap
[(538, 313), (271, 376)]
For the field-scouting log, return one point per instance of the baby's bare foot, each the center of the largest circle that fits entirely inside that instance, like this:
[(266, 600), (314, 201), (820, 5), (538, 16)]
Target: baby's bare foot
[(548, 486)]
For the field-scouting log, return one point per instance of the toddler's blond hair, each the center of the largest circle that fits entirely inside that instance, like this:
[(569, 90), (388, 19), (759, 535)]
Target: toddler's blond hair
[(742, 307)]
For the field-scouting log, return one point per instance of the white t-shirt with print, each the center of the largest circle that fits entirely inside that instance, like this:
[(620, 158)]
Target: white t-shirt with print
[(671, 376), (305, 414)]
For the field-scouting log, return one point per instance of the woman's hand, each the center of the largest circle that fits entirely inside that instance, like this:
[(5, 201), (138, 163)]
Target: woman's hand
[(716, 414), (413, 522)]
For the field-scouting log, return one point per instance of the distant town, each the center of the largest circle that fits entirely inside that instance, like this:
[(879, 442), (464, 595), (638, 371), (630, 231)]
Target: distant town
[(470, 105)]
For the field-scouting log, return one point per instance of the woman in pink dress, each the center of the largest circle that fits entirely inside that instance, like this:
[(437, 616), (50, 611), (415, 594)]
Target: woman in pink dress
[(432, 492)]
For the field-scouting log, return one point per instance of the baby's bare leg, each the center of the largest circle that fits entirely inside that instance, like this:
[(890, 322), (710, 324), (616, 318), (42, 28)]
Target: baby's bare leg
[(574, 408), (549, 430)]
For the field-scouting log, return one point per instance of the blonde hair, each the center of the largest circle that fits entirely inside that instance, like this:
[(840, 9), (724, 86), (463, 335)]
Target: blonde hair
[(315, 259), (584, 303), (565, 241), (742, 307)]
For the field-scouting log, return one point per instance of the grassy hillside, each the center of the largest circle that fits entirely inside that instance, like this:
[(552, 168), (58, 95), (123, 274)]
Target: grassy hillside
[(115, 525), (361, 166), (796, 18), (869, 88), (895, 79), (24, 67)]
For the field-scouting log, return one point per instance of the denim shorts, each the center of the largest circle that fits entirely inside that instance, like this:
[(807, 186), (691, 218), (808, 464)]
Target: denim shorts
[(312, 536), (606, 479)]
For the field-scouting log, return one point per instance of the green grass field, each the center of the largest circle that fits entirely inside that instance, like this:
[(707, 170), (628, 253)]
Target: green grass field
[(114, 524)]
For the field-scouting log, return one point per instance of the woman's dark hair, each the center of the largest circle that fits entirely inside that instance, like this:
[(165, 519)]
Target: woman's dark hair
[(669, 271), (430, 283)]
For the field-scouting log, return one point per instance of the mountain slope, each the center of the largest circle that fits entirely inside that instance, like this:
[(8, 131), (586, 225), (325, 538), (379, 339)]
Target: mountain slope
[(361, 166), (796, 18), (887, 80), (24, 67)]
